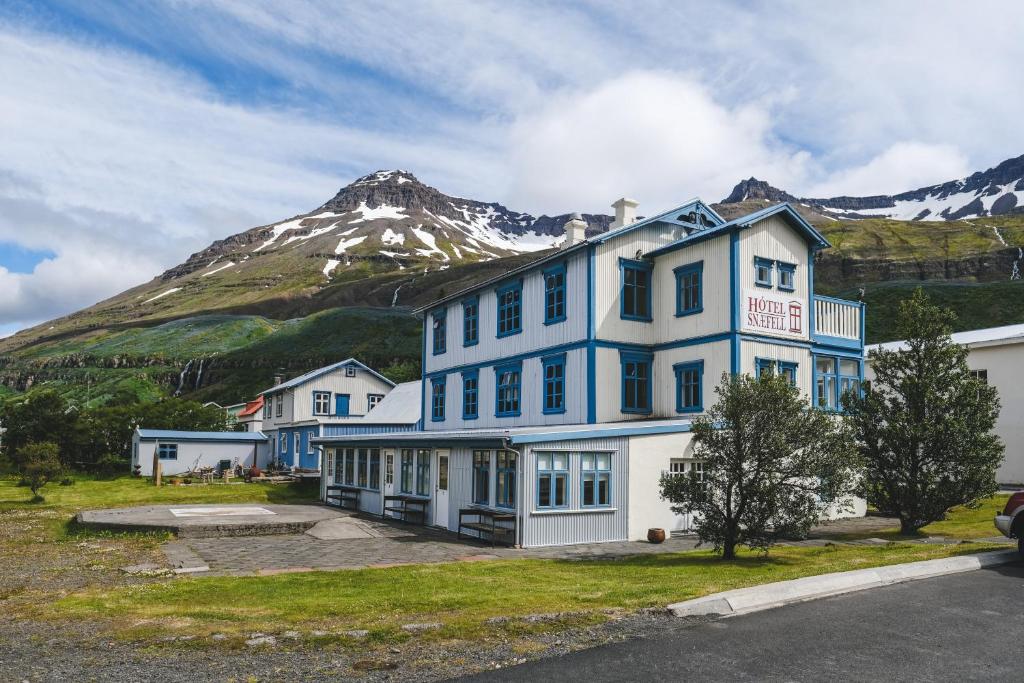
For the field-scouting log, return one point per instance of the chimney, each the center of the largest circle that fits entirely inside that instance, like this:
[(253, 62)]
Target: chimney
[(278, 378), (625, 212), (575, 231)]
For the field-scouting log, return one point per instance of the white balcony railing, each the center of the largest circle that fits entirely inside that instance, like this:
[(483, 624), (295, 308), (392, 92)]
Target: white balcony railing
[(837, 318)]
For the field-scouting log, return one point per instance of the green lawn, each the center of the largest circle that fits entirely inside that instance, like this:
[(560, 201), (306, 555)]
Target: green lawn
[(963, 523)]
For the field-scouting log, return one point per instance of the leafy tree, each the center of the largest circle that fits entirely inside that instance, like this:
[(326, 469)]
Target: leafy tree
[(772, 466), (39, 463), (924, 424), (40, 416)]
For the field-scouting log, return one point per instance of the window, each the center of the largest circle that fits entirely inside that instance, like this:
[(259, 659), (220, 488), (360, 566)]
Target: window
[(339, 465), (689, 383), (552, 480), (374, 482), (980, 375), (167, 451), (636, 290), (689, 296), (507, 379), (405, 483), (362, 466), (505, 480), (681, 467), (330, 464), (787, 277), (482, 477), (389, 468), (849, 376), (470, 321), (554, 294), (267, 409), (280, 405), (350, 466), (440, 331), (372, 400), (763, 269), (825, 382), (423, 472), (284, 444), (510, 309), (471, 395), (298, 442), (321, 403), (764, 366), (554, 384), (596, 478), (636, 382), (787, 369), (437, 386), (350, 371)]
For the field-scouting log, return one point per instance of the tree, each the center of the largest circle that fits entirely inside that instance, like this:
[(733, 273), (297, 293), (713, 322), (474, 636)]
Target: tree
[(771, 465), (40, 416), (39, 463), (924, 424)]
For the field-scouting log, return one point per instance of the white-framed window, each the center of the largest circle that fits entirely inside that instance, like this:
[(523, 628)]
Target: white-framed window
[(267, 409), (595, 479), (372, 400), (298, 441), (682, 466), (167, 451), (350, 371), (552, 480), (279, 399), (330, 463), (321, 403)]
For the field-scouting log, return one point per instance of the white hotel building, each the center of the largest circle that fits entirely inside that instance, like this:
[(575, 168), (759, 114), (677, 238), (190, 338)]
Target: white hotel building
[(555, 396)]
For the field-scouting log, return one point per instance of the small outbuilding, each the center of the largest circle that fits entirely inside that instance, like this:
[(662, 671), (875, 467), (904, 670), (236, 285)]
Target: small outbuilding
[(180, 452)]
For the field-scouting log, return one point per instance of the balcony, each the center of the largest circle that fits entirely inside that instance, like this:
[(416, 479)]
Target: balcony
[(838, 322)]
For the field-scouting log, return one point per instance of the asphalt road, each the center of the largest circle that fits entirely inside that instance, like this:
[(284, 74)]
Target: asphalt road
[(960, 627)]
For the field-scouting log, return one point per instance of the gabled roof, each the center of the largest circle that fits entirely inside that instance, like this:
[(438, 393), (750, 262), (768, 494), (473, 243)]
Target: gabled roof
[(990, 336), (667, 216), (400, 406), (319, 372), (173, 434), (784, 210), (252, 407)]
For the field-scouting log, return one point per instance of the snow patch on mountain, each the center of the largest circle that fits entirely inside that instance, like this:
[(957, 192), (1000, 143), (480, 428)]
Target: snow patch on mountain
[(217, 270), (345, 243), (281, 228), (161, 295), (392, 238), (331, 265), (429, 240), (382, 211)]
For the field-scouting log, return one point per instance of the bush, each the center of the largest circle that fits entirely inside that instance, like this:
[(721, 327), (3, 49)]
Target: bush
[(39, 463), (110, 465)]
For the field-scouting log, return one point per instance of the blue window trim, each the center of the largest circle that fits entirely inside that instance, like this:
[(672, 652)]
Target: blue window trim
[(682, 272), (554, 474), (499, 292), (775, 366), (473, 301), (789, 365), (475, 376), (831, 378), (485, 467), (639, 266), (509, 478), (787, 268), (768, 364), (508, 367), (328, 399), (596, 472), (435, 414), (562, 270), (636, 357), (679, 369), (440, 341), (546, 362), (764, 263)]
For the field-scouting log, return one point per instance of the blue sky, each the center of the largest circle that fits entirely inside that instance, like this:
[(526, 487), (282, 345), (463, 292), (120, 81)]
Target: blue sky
[(133, 134)]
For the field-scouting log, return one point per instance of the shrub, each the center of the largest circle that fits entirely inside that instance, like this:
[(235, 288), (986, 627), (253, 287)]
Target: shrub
[(39, 463)]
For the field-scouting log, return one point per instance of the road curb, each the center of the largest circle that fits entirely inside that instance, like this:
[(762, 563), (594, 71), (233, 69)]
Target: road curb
[(768, 596)]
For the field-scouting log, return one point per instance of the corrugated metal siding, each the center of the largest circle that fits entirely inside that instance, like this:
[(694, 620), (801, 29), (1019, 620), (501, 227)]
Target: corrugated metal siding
[(772, 238), (342, 430), (370, 501), (535, 334), (531, 401), (749, 350), (569, 527), (608, 322), (715, 317)]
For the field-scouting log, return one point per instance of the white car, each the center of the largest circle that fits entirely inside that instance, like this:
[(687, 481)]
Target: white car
[(1011, 522)]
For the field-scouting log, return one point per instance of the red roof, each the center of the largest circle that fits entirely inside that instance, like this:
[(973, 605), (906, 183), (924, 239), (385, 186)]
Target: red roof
[(251, 407)]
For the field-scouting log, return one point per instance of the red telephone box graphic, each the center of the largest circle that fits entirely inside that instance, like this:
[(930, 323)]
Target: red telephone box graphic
[(796, 317)]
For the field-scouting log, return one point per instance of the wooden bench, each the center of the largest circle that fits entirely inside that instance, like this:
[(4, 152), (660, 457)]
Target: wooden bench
[(492, 523), (406, 508), (347, 497)]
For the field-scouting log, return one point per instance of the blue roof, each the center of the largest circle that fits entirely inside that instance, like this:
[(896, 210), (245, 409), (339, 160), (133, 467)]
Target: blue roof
[(319, 372), (785, 210), (173, 434)]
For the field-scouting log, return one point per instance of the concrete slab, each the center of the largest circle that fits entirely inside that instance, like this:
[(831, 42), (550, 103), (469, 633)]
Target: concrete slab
[(209, 521), (339, 528)]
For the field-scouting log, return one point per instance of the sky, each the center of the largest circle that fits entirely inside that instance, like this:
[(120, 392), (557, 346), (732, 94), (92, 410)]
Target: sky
[(134, 134)]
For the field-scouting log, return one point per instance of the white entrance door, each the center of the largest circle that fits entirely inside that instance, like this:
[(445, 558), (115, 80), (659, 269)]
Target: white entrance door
[(441, 488), (682, 467), (389, 472)]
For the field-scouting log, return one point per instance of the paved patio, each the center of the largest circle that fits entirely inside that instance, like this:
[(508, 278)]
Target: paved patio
[(349, 541)]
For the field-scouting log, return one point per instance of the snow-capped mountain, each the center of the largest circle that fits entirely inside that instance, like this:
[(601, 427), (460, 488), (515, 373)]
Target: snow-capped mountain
[(389, 215), (994, 192)]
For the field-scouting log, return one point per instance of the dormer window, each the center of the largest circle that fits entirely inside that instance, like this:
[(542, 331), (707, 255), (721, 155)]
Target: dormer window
[(350, 371)]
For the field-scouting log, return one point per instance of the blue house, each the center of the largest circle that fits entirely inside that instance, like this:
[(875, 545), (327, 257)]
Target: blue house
[(561, 391)]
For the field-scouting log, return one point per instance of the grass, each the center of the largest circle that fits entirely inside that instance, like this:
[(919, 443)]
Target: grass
[(962, 523), (463, 596)]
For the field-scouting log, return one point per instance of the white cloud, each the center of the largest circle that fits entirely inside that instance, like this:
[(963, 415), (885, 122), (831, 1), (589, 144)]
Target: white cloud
[(903, 166), (660, 138)]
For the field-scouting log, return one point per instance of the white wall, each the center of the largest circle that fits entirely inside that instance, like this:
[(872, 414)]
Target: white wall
[(298, 401), (649, 456), (751, 350), (208, 454)]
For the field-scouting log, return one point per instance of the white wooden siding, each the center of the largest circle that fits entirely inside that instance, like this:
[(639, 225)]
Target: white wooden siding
[(298, 401), (716, 357), (535, 334), (750, 350), (773, 238), (715, 293)]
